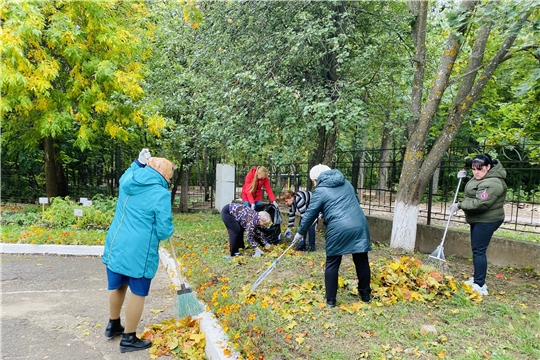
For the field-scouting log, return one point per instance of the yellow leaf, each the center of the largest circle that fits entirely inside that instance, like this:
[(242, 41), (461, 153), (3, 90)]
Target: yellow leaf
[(300, 340), (442, 354), (172, 343), (292, 325), (197, 337), (156, 311)]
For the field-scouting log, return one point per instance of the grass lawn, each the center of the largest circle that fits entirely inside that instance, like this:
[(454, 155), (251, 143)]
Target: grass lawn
[(287, 318)]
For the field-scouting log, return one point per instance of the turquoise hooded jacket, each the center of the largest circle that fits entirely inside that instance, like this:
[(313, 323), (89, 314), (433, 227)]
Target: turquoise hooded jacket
[(142, 219), (347, 230)]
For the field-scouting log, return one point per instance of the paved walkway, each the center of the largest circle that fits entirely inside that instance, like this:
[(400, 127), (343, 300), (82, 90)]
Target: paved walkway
[(55, 305)]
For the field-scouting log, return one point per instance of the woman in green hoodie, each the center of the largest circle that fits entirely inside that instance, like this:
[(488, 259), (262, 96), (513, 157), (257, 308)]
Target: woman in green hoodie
[(483, 206)]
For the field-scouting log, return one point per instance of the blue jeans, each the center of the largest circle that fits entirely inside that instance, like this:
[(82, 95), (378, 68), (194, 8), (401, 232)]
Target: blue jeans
[(481, 234), (257, 203)]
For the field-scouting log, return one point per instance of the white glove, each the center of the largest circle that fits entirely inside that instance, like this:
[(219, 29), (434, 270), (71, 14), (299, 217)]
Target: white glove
[(275, 204), (258, 252), (252, 206), (267, 246), (144, 155), (453, 208), (288, 233), (462, 174), (298, 238)]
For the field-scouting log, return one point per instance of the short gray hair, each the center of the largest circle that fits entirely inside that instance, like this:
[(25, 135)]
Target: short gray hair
[(264, 217)]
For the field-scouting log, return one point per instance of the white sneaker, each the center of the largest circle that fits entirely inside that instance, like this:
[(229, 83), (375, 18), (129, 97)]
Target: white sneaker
[(471, 282), (481, 290)]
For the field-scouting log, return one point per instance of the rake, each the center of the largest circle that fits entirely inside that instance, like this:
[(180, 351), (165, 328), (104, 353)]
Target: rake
[(275, 262), (436, 259)]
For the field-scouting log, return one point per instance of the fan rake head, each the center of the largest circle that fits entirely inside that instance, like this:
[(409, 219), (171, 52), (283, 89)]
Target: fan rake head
[(437, 264)]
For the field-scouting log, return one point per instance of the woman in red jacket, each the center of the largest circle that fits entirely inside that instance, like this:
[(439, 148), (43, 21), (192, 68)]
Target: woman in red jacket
[(256, 179)]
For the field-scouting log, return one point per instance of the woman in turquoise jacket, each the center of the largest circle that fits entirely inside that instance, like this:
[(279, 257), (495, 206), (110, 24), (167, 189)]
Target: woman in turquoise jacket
[(142, 219), (347, 230)]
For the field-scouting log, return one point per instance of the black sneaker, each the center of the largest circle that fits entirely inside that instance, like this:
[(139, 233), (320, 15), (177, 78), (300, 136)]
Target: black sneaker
[(130, 342), (310, 248), (331, 303), (114, 328), (365, 295)]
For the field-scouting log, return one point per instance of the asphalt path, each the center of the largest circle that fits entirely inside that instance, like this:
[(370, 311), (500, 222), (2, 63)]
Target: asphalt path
[(56, 307)]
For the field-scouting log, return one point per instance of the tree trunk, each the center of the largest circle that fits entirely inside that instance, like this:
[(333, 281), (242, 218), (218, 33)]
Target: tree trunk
[(55, 181), (205, 175), (184, 185), (418, 166), (331, 146), (418, 31), (412, 183), (386, 143), (174, 190)]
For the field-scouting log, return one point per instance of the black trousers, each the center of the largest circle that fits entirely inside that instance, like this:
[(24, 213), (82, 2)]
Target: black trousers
[(236, 232), (331, 273)]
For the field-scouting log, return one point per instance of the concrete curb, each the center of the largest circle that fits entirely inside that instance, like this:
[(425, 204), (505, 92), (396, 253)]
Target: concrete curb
[(80, 250), (216, 341)]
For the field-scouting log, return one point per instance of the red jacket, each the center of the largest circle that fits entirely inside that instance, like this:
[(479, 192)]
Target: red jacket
[(252, 198)]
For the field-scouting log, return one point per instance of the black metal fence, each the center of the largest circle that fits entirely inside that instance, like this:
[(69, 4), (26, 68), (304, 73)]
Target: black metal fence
[(376, 182), (374, 173)]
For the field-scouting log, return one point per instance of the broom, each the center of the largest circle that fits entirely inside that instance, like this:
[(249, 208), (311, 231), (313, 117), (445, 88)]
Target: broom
[(187, 303), (436, 259), (275, 262)]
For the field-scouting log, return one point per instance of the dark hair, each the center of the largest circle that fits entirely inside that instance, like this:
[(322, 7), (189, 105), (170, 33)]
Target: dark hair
[(482, 160)]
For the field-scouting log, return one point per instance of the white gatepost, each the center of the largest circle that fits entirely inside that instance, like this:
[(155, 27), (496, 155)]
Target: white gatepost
[(225, 187)]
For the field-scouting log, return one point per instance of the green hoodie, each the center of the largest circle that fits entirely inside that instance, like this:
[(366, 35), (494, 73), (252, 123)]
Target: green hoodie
[(484, 199)]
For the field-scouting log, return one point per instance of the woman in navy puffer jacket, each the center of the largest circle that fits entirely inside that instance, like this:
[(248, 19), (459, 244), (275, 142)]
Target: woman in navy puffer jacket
[(347, 230)]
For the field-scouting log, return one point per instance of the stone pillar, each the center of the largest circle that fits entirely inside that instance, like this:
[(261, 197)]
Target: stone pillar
[(225, 187)]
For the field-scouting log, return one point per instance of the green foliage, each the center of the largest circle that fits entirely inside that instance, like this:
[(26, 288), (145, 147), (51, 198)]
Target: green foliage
[(60, 214), (26, 218)]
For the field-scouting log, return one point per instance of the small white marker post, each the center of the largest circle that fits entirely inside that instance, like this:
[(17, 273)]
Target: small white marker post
[(43, 201), (83, 200), (78, 213), (87, 203)]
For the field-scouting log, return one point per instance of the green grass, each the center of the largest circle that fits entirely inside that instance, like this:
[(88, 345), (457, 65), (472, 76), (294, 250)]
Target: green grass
[(287, 318)]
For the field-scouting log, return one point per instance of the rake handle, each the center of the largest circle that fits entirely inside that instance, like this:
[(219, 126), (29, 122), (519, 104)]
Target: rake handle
[(450, 216), (176, 264)]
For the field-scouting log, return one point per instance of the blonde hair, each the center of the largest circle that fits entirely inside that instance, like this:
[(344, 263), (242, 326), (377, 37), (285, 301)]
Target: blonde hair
[(286, 195), (264, 217), (263, 172), (162, 166)]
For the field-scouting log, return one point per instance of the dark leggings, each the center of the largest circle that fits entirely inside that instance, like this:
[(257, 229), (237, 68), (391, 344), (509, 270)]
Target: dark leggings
[(236, 232), (481, 234), (331, 273)]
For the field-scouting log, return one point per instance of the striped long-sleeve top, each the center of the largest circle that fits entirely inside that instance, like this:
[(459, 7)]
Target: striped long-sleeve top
[(300, 204)]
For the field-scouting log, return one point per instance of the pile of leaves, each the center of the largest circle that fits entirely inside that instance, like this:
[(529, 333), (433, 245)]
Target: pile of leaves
[(180, 338)]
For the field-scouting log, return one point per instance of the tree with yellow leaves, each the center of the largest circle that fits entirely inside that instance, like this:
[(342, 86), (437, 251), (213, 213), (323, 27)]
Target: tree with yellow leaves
[(72, 67)]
